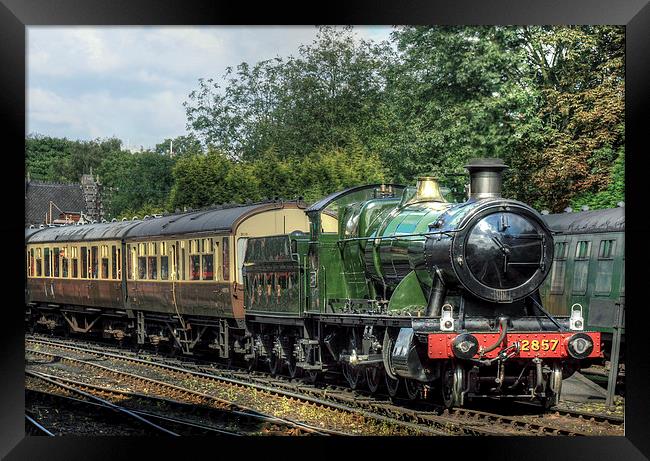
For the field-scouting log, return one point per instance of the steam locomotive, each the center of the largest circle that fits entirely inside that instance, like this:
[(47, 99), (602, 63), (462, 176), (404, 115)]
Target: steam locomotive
[(386, 284)]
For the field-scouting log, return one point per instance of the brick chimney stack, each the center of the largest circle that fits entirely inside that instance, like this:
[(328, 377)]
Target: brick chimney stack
[(92, 195)]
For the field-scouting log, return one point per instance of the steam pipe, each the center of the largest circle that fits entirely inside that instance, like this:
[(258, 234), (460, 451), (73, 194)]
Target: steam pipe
[(436, 295), (503, 324)]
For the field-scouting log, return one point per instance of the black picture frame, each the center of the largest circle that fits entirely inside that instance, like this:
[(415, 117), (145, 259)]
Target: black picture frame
[(15, 15)]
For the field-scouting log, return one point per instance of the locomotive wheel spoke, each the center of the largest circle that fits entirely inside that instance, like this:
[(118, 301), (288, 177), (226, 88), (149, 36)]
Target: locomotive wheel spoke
[(275, 364), (413, 389), (354, 375), (392, 385), (373, 378)]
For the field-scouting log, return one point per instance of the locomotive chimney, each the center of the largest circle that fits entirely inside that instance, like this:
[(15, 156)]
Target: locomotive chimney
[(485, 177)]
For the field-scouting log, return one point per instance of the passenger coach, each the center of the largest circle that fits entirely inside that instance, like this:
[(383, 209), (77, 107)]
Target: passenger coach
[(175, 277)]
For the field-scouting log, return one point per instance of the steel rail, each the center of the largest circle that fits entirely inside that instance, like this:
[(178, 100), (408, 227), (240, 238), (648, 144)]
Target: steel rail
[(428, 419), (145, 414), (441, 430), (38, 426), (235, 408), (103, 402), (365, 400)]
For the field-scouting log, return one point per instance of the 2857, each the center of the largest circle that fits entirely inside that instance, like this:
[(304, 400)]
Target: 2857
[(536, 344)]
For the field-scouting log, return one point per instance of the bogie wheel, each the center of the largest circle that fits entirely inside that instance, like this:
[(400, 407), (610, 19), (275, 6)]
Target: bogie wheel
[(392, 385), (251, 363), (275, 364), (553, 388), (453, 377), (413, 389), (292, 368), (354, 375), (373, 378), (311, 376)]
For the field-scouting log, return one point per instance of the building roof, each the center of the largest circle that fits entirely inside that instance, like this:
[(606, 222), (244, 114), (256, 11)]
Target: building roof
[(587, 222), (38, 195)]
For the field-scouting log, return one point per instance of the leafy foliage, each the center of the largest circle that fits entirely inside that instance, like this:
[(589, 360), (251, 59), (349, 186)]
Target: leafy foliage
[(345, 111)]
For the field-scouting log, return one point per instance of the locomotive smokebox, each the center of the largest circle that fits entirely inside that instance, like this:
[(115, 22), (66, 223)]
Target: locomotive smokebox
[(485, 179)]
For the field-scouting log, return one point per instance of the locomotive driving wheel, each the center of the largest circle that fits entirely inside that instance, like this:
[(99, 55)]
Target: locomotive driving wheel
[(373, 378), (392, 385), (275, 356), (354, 375), (414, 389), (453, 377)]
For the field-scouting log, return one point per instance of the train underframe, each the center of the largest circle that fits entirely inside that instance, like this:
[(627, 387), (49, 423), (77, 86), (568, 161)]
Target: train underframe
[(385, 353)]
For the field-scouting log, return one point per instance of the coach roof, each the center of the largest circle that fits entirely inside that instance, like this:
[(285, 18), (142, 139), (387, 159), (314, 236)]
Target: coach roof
[(222, 219), (586, 222), (75, 233)]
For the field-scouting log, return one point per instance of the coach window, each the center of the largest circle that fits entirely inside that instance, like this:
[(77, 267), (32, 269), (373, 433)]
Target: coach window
[(142, 261), (559, 267), (39, 262), (46, 262), (115, 262), (152, 260), (225, 259), (105, 262), (164, 261), (182, 261), (84, 262), (94, 261), (132, 262), (207, 260), (65, 259), (74, 262), (605, 266), (31, 264), (242, 243), (581, 267), (56, 262), (195, 259)]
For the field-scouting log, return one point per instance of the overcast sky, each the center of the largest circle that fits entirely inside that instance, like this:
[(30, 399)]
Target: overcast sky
[(130, 82)]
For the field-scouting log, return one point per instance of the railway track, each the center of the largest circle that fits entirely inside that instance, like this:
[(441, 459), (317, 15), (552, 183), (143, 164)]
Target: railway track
[(112, 375), (457, 421), (59, 392), (263, 424), (93, 407), (37, 427)]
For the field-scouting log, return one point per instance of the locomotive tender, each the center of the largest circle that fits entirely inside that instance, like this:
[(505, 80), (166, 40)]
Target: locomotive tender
[(386, 283)]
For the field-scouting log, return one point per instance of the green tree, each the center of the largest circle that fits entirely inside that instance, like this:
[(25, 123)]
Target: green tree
[(328, 95), (181, 145), (454, 93)]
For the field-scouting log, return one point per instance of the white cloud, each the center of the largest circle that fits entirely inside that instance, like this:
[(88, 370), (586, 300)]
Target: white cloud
[(130, 82)]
